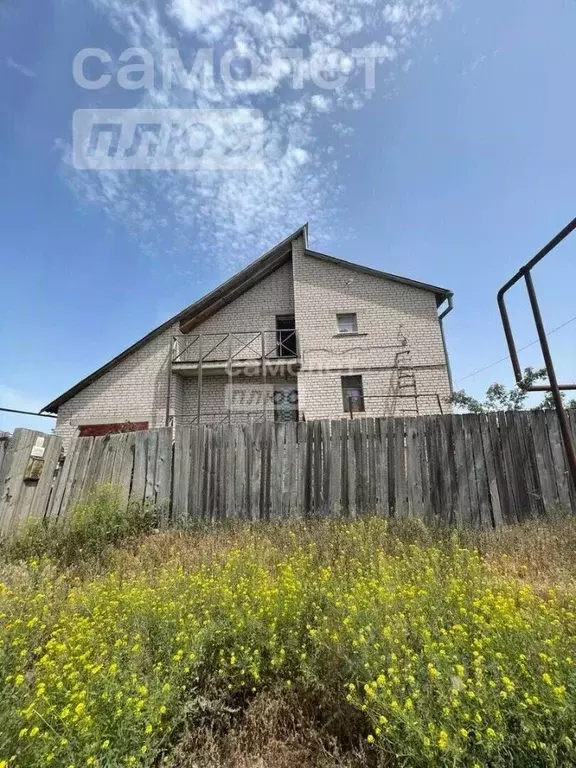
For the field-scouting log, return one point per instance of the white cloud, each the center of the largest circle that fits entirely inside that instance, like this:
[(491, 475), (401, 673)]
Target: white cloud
[(321, 103), (342, 129), (234, 215), (20, 68)]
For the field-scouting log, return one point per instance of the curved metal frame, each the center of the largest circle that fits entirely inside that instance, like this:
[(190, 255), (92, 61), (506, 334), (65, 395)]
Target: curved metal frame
[(553, 385)]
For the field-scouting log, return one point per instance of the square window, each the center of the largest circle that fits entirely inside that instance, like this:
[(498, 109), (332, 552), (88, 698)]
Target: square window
[(352, 394), (347, 323)]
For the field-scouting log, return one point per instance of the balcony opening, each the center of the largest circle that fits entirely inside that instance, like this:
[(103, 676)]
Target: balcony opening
[(285, 336)]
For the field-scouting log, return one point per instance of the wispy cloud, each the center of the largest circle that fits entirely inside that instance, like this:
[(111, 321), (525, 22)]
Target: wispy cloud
[(20, 68), (235, 214)]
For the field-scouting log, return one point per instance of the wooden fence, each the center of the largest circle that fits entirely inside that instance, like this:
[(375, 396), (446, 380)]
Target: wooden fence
[(139, 464), (478, 470)]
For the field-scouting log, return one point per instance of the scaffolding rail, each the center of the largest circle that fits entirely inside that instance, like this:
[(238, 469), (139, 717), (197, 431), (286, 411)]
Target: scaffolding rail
[(235, 346)]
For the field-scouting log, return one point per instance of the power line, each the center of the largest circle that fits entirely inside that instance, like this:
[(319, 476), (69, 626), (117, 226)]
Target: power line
[(503, 359), (28, 413)]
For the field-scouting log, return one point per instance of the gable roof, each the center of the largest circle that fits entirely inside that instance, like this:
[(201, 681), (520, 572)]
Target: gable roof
[(227, 292), (442, 294), (199, 310)]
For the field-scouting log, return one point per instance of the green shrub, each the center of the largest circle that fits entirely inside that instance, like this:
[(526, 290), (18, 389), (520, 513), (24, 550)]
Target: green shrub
[(95, 523)]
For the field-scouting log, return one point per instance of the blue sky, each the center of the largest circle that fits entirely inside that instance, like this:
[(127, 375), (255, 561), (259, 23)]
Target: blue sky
[(455, 169)]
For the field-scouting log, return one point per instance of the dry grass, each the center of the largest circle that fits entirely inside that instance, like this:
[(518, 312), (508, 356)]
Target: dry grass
[(540, 552), (275, 731)]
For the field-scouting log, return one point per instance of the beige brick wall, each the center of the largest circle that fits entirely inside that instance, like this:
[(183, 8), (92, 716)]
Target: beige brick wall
[(246, 393), (255, 310), (392, 318), (134, 390)]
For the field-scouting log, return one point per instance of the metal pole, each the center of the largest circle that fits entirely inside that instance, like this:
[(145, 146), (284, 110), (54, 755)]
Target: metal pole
[(560, 410), (440, 404), (504, 312), (199, 404), (169, 387), (29, 413)]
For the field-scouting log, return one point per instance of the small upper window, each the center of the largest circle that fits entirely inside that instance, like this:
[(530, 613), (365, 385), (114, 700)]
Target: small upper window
[(352, 394), (347, 323)]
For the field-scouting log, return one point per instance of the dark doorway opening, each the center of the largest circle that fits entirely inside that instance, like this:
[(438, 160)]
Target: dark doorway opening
[(285, 336), (285, 404)]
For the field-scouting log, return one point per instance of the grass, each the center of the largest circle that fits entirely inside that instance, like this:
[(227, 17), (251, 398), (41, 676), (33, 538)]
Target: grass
[(332, 643)]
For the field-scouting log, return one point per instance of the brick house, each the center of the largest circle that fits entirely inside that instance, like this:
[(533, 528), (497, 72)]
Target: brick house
[(295, 335)]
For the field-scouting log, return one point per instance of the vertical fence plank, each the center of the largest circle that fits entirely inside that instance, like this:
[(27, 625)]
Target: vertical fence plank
[(351, 469), (163, 485), (290, 464), (151, 451), (463, 514), (381, 468), (508, 448), (361, 468), (139, 471), (521, 481), (207, 486), (325, 432), (4, 443), (44, 488), (504, 492), (203, 490), (302, 480), (400, 485), (13, 483), (335, 476), (61, 488), (530, 464), (475, 515), (256, 473), (283, 472), (391, 456), (414, 469), (484, 515), (544, 467), (266, 468), (317, 467), (344, 503), (489, 457), (124, 467), (276, 456), (558, 459), (444, 468), (571, 413)]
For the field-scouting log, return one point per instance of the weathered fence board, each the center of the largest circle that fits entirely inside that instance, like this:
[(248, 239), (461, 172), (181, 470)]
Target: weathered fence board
[(480, 470), (29, 462)]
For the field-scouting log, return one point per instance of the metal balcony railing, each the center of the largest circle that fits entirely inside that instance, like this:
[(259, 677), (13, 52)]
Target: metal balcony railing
[(234, 346)]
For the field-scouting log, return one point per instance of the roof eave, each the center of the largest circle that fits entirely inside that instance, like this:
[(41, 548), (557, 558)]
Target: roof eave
[(190, 313), (442, 294)]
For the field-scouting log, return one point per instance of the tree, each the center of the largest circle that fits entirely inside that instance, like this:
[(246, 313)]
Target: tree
[(501, 398)]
